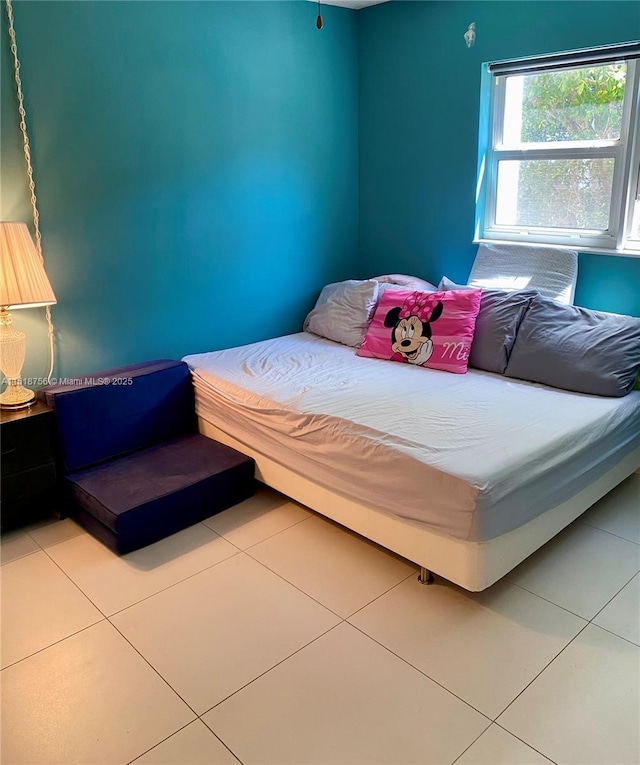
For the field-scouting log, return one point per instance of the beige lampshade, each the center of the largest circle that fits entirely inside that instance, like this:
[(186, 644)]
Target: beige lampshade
[(23, 281)]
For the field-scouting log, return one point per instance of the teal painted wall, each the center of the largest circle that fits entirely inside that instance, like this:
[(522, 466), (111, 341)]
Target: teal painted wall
[(419, 89), (196, 170), (203, 168)]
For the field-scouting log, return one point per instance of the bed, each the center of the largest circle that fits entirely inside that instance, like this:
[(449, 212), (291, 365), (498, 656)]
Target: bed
[(465, 475)]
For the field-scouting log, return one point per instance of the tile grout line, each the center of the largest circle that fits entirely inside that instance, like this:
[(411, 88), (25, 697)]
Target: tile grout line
[(472, 743), (20, 557), (606, 531), (546, 666), (342, 621), (55, 642), (166, 738), (75, 584), (200, 716), (564, 608), (343, 618), (163, 589), (275, 533), (100, 621), (108, 620), (286, 581), (171, 735), (586, 624), (238, 550), (107, 617), (546, 600), (524, 742), (174, 584), (615, 634), (295, 586), (370, 603), (422, 672), (246, 684), (24, 530), (613, 598), (77, 632), (224, 744), (164, 680), (266, 671)]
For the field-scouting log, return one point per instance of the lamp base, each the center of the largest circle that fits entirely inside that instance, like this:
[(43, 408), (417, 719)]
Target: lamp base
[(16, 396)]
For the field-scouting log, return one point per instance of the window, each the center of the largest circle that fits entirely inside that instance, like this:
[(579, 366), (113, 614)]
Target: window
[(560, 150)]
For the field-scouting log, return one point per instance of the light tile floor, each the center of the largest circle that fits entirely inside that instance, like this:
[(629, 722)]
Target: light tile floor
[(268, 635)]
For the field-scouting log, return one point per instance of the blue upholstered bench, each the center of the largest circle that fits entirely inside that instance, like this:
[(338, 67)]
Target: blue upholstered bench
[(135, 469)]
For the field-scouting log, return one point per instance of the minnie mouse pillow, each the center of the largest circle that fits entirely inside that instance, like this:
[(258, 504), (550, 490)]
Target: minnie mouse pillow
[(428, 329)]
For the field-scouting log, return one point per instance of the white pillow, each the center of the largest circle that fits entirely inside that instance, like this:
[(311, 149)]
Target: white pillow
[(408, 282), (551, 271), (447, 284), (343, 311)]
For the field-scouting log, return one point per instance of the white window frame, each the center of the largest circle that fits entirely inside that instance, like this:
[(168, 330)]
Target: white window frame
[(616, 239)]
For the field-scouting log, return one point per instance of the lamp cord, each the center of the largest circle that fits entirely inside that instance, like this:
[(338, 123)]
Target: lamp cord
[(32, 185)]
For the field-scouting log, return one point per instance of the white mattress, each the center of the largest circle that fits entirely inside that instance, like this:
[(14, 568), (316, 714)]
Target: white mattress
[(472, 456)]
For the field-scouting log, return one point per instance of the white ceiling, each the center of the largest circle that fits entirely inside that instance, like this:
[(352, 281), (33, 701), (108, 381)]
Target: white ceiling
[(350, 3)]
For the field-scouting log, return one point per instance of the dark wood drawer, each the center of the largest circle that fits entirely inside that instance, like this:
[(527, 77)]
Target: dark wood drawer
[(29, 489), (26, 443), (27, 495)]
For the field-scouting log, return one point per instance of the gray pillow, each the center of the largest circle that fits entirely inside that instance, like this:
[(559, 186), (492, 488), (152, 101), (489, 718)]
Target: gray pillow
[(496, 325), (576, 349), (343, 311)]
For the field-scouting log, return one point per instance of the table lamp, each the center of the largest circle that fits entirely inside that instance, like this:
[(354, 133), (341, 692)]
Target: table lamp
[(23, 284)]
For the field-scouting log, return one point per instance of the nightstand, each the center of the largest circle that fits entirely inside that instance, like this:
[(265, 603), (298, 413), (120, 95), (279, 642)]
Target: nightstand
[(28, 468)]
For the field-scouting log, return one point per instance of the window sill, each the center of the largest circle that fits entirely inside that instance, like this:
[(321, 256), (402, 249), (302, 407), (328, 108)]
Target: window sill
[(574, 246)]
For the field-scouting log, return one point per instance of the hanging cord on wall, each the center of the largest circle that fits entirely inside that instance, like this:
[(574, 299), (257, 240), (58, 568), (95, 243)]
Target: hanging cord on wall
[(32, 185)]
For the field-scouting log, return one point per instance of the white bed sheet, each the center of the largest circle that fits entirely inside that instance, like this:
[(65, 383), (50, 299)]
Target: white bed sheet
[(472, 456)]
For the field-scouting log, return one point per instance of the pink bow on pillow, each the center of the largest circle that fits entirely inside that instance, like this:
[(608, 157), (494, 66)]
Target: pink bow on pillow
[(419, 304)]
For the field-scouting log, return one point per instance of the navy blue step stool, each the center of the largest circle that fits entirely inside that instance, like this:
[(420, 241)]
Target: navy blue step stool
[(134, 468)]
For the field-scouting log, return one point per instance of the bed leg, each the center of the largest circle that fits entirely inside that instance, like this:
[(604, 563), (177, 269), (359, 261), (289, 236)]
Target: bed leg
[(426, 576)]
